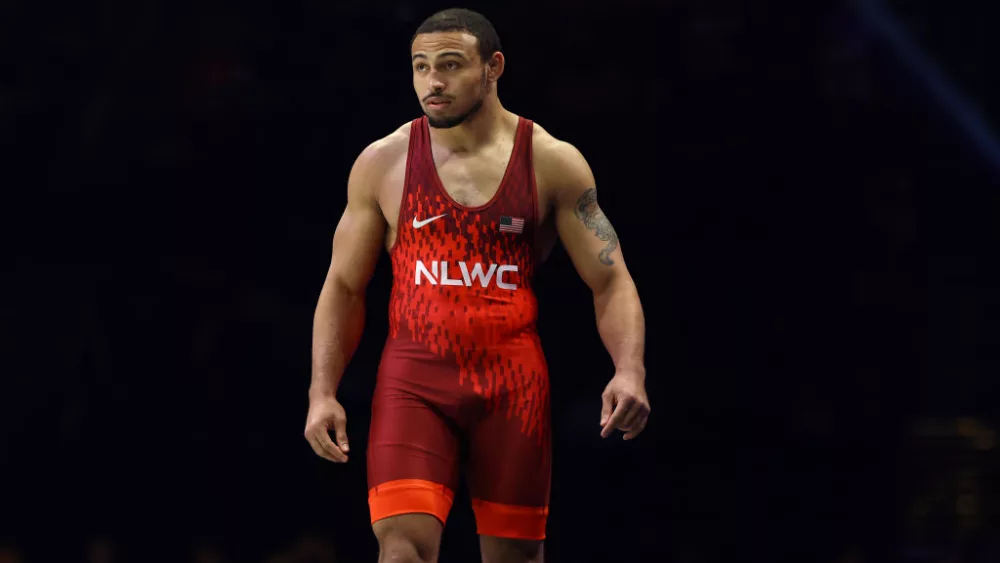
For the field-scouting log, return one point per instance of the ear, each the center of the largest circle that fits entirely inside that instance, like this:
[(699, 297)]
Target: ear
[(495, 66)]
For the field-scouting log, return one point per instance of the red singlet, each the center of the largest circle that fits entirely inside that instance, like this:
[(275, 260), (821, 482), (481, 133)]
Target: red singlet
[(463, 382)]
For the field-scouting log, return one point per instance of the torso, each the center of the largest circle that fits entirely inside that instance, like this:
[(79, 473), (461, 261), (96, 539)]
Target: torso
[(465, 233)]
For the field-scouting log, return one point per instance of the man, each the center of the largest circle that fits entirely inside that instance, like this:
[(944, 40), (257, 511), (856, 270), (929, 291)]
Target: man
[(467, 200)]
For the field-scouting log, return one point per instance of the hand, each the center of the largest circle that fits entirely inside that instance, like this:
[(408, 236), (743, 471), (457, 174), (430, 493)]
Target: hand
[(326, 413), (625, 405)]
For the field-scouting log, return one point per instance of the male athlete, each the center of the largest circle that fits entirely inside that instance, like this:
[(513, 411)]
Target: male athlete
[(468, 200)]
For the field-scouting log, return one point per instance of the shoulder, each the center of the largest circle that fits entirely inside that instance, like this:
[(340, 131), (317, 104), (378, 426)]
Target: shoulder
[(378, 159), (560, 168), (385, 151)]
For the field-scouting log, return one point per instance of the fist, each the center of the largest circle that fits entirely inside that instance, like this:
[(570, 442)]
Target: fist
[(327, 414), (625, 406)]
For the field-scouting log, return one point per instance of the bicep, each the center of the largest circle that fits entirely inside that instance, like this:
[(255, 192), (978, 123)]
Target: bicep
[(589, 237), (359, 236), (357, 243), (584, 230)]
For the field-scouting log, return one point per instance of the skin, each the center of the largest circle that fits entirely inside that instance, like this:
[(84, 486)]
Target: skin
[(471, 157)]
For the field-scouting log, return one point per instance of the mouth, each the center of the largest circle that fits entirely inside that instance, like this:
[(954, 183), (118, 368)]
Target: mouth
[(437, 103)]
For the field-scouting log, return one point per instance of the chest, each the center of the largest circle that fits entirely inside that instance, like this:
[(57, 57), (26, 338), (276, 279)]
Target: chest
[(471, 180)]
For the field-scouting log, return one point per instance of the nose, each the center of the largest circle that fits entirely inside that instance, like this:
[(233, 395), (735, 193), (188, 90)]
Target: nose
[(436, 84)]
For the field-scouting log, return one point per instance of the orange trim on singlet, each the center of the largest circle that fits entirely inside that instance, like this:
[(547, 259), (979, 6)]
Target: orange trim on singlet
[(510, 521), (409, 496)]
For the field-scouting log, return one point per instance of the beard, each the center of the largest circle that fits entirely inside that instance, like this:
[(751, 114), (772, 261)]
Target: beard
[(455, 120)]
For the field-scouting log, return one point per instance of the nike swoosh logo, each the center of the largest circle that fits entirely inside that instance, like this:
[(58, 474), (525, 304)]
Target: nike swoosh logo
[(418, 224)]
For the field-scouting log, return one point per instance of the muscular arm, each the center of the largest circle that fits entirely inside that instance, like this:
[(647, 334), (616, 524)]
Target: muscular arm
[(357, 243), (593, 246)]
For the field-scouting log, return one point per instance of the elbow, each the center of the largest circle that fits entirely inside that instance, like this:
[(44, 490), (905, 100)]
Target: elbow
[(615, 282), (337, 289), (616, 291), (348, 289)]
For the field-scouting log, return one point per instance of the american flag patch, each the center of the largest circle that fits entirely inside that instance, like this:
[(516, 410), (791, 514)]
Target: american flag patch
[(511, 224)]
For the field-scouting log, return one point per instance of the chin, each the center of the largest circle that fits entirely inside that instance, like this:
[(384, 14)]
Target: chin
[(447, 121), (444, 120)]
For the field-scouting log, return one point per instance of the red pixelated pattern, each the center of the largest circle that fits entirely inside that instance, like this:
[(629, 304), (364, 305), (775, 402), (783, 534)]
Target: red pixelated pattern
[(488, 331)]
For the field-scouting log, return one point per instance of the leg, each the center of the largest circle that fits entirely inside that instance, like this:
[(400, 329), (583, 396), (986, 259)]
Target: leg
[(509, 479), (408, 538), (508, 550), (412, 473)]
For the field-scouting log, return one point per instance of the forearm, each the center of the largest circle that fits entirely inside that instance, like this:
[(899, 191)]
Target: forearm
[(621, 324), (337, 326)]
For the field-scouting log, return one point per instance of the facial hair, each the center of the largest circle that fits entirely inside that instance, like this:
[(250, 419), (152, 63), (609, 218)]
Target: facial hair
[(454, 121)]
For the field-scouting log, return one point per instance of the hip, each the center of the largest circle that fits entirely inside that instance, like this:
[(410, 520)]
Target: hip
[(450, 371)]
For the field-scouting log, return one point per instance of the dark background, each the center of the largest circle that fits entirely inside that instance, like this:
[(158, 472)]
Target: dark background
[(806, 196)]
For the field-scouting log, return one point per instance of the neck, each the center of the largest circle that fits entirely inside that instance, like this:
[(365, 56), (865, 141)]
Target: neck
[(477, 131)]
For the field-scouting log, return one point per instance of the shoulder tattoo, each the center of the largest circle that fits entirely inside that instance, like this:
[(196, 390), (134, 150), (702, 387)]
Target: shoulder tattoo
[(594, 219)]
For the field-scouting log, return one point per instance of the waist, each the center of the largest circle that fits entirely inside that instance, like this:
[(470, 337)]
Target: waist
[(483, 315), (480, 321), (428, 352), (461, 376)]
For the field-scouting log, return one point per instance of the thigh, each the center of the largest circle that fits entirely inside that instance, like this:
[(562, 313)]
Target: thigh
[(510, 468), (412, 456)]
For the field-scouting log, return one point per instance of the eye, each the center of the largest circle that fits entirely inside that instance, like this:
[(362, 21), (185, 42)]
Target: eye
[(420, 67), (451, 65)]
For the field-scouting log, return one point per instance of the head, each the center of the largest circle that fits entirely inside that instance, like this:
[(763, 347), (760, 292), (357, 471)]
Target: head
[(456, 60)]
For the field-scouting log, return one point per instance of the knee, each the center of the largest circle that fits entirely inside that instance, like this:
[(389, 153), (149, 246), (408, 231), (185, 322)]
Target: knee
[(398, 544), (500, 550), (533, 550), (526, 550), (401, 550)]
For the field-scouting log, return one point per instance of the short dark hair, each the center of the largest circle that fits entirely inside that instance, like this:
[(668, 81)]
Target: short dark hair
[(460, 19)]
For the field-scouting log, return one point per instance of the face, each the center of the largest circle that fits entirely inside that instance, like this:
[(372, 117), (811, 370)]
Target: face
[(450, 79)]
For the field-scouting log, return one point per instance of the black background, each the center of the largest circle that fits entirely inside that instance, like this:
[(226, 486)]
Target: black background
[(812, 236)]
